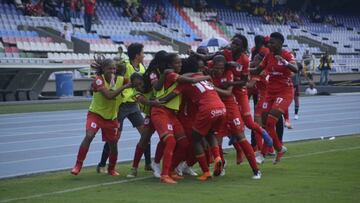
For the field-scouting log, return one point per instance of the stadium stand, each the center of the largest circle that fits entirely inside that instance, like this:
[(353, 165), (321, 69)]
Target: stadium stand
[(37, 39)]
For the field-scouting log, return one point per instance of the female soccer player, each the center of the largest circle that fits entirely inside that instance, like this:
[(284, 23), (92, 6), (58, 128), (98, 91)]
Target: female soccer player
[(103, 112), (280, 64), (233, 117)]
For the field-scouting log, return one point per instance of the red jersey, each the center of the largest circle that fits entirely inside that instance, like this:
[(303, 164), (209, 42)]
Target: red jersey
[(240, 71), (263, 50), (89, 6), (226, 77), (202, 94), (261, 81), (280, 75)]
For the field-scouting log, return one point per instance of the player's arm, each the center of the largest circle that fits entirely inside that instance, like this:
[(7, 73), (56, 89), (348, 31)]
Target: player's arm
[(224, 92), (188, 79), (291, 65), (149, 102), (108, 94)]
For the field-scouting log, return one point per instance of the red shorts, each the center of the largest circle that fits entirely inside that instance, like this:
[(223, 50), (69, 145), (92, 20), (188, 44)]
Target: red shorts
[(259, 105), (109, 128), (243, 102), (279, 100), (234, 123), (209, 119), (186, 123), (165, 122)]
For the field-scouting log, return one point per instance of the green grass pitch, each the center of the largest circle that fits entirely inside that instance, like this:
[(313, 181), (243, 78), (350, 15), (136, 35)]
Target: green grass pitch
[(311, 171)]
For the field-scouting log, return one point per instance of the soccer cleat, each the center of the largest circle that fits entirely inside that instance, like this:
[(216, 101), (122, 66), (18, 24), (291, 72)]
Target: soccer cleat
[(113, 172), (218, 167), (156, 168), (267, 139), (148, 167), (222, 173), (188, 170), (175, 176), (279, 155), (257, 175), (296, 117), (167, 180), (287, 124), (100, 169), (132, 173), (77, 168), (259, 158), (205, 176), (179, 169)]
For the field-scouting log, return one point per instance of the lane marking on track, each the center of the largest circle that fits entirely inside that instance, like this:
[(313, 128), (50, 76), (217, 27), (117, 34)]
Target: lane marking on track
[(148, 177)]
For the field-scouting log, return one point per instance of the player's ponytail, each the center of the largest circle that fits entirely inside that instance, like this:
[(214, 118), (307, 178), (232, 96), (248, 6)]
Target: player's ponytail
[(100, 62)]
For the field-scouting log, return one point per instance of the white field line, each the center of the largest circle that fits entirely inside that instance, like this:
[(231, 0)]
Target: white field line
[(147, 177)]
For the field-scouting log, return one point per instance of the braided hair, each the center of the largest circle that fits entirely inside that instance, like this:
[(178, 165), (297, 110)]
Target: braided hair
[(100, 62)]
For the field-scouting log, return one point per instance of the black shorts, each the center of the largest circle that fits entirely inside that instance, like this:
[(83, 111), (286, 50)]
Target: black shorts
[(132, 112)]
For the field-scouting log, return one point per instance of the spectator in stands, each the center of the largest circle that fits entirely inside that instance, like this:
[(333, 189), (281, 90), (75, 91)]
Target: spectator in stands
[(89, 13), (66, 9), (161, 11), (325, 66), (308, 62), (78, 7), (126, 8), (51, 8), (67, 33), (157, 17)]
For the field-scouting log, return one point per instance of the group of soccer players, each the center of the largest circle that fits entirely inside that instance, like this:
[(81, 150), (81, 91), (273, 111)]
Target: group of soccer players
[(192, 104)]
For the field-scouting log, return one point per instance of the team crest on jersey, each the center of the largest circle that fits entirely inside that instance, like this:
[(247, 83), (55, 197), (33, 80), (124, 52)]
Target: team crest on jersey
[(93, 125), (147, 121), (170, 127), (239, 67), (99, 82)]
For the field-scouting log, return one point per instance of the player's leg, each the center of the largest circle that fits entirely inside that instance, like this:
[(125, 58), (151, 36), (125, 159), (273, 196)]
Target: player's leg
[(248, 120), (93, 123), (142, 145), (123, 113), (297, 101), (83, 150)]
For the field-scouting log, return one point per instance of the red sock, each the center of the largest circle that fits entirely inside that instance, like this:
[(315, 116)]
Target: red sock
[(221, 153), (249, 153), (239, 152), (259, 140), (170, 144), (270, 128), (137, 156), (181, 148), (209, 157), (203, 163), (190, 157), (215, 151), (82, 154), (265, 150), (250, 123), (159, 151), (112, 160)]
